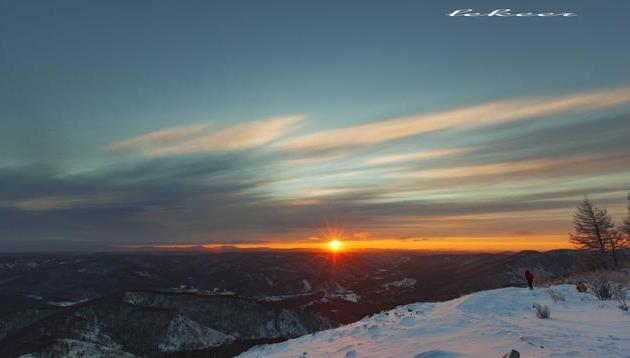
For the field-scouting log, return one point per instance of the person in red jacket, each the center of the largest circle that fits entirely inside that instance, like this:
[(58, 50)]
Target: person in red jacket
[(530, 279)]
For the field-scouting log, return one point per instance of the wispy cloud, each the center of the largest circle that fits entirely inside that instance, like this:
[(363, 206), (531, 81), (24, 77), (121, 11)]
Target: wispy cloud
[(170, 199), (335, 191), (209, 138), (362, 235), (66, 201), (312, 160), (483, 169), (159, 138), (468, 117), (422, 155), (523, 169)]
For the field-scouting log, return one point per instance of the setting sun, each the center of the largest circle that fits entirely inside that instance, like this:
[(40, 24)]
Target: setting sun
[(335, 245)]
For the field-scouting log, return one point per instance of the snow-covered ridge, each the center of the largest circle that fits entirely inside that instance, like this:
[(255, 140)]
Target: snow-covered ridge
[(483, 324)]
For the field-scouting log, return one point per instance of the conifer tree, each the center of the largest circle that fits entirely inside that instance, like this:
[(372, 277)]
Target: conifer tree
[(592, 227)]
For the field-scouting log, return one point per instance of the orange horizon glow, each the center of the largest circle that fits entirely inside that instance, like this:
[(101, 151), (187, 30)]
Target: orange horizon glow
[(488, 244), (335, 245)]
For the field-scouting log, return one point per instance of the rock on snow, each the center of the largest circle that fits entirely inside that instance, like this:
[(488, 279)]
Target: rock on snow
[(483, 324)]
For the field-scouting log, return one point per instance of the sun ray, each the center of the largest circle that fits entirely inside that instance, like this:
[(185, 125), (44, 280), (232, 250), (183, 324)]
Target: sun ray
[(335, 245)]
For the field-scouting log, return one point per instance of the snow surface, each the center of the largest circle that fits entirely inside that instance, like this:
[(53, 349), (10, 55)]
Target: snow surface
[(483, 324)]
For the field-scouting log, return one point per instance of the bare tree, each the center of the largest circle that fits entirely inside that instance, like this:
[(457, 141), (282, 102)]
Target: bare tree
[(616, 240), (592, 227)]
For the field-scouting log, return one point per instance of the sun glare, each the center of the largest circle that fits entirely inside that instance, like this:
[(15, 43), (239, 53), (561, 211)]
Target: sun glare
[(335, 245)]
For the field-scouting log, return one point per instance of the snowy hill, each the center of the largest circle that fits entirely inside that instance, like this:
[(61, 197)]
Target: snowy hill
[(483, 324)]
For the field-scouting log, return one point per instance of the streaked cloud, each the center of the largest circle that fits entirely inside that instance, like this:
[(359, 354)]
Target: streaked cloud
[(66, 201), (312, 160), (456, 187), (468, 117), (173, 208), (483, 169), (329, 191), (422, 155), (159, 138), (362, 235), (209, 138)]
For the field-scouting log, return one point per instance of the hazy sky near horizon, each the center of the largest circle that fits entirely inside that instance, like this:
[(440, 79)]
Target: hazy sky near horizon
[(178, 122)]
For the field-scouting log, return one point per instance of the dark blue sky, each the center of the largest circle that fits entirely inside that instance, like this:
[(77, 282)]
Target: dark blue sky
[(236, 121)]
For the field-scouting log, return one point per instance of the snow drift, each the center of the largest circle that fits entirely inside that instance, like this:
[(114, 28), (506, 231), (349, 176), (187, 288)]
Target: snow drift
[(483, 324)]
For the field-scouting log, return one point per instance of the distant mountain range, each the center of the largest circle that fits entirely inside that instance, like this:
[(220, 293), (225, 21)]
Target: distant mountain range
[(219, 304)]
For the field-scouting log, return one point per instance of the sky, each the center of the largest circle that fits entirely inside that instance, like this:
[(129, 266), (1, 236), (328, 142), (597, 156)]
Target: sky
[(286, 123)]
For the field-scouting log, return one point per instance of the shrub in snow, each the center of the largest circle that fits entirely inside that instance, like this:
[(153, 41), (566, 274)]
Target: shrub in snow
[(513, 354), (541, 311), (601, 288), (620, 294), (602, 284), (555, 295)]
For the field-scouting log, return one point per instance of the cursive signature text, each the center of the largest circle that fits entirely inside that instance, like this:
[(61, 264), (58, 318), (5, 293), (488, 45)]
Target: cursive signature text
[(508, 13)]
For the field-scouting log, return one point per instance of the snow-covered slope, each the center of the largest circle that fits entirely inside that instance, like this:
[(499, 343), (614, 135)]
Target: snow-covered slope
[(483, 324)]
